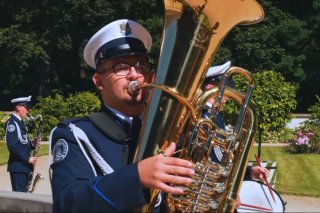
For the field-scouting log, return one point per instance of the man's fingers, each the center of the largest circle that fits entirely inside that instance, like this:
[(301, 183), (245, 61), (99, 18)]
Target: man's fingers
[(170, 189), (177, 162), (181, 171), (176, 180), (170, 150)]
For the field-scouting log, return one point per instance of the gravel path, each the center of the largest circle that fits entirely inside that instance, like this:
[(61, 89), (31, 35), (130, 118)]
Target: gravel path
[(301, 204), (294, 203)]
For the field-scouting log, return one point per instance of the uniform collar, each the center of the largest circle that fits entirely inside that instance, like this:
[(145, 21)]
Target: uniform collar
[(120, 115), (17, 116), (208, 104)]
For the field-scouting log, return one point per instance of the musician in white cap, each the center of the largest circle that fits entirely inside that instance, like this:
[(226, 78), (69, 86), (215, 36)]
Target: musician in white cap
[(213, 79), (20, 162), (92, 169)]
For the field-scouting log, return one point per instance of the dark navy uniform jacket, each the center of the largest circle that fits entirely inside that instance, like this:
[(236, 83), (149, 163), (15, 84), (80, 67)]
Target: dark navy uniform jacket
[(217, 153), (75, 186), (219, 120), (18, 144)]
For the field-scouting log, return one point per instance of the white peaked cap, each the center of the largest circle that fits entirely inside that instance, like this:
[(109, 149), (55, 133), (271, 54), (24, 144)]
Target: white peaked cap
[(22, 100), (218, 70), (118, 38)]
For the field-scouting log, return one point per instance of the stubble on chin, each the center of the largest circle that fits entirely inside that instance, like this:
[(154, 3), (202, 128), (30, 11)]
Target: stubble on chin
[(136, 100)]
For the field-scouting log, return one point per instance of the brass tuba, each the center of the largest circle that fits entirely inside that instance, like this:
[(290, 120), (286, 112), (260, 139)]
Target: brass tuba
[(193, 32)]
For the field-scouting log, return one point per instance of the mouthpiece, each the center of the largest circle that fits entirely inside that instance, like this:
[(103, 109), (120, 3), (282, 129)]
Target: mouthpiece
[(31, 118), (133, 87), (40, 117)]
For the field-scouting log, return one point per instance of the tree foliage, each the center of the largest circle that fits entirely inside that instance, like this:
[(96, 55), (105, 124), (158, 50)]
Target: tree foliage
[(3, 119), (286, 41), (315, 111), (273, 100), (58, 108), (41, 43)]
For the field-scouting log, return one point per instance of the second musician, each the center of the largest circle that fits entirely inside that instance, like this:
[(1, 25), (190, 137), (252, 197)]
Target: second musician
[(20, 162)]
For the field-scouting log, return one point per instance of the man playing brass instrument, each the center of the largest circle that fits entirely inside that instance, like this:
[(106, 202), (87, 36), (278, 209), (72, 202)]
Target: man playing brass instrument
[(90, 166), (20, 162)]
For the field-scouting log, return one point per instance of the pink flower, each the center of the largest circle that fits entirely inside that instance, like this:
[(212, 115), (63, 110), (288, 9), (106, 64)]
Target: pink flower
[(310, 134), (304, 140)]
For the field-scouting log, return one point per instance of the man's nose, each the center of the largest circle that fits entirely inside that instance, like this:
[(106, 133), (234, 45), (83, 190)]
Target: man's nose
[(133, 72)]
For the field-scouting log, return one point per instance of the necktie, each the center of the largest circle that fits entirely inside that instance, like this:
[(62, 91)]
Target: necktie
[(134, 134), (135, 128), (126, 127)]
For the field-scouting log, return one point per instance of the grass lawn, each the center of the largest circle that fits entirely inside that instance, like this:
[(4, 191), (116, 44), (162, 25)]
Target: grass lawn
[(4, 155), (297, 174)]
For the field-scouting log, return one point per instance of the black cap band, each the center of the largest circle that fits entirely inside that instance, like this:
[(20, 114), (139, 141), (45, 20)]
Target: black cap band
[(216, 79), (119, 47), (25, 103)]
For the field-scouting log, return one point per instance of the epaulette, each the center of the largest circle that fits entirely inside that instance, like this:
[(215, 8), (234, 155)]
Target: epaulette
[(105, 123), (66, 122)]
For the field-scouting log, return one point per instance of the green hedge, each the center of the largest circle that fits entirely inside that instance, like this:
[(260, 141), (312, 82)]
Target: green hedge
[(57, 108), (3, 118)]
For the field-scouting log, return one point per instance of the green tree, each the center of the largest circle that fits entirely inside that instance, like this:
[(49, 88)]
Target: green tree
[(82, 104), (273, 100), (53, 109), (285, 41), (57, 108), (273, 44), (315, 110), (3, 119), (41, 42)]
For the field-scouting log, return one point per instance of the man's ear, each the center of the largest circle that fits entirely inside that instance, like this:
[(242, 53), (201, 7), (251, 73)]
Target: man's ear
[(16, 107), (97, 81)]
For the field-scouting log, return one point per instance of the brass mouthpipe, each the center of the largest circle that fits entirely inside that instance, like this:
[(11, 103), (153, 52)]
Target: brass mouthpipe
[(135, 86)]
